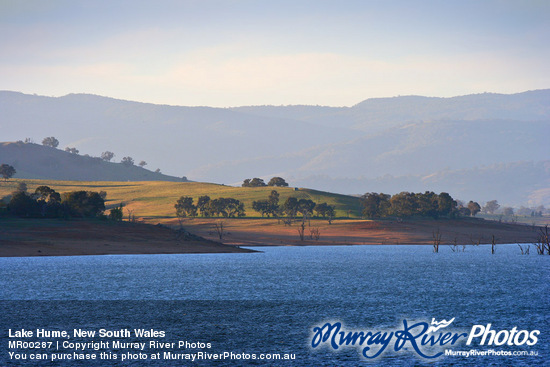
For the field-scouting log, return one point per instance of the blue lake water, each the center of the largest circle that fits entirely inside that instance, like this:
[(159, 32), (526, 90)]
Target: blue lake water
[(269, 302)]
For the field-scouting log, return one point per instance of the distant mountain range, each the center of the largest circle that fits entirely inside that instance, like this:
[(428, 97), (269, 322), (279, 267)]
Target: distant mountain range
[(477, 147)]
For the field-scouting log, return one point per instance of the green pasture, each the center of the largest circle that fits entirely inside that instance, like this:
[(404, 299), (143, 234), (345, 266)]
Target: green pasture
[(156, 199)]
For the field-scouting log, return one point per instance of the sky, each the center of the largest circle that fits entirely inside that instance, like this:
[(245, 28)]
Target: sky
[(244, 52)]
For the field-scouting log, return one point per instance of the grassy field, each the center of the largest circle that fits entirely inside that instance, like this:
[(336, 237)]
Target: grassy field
[(153, 201)]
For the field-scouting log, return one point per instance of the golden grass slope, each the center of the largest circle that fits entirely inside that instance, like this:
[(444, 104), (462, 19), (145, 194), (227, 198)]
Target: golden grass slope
[(154, 201)]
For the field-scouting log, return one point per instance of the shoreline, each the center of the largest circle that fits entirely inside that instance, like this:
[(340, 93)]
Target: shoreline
[(342, 232), (53, 237)]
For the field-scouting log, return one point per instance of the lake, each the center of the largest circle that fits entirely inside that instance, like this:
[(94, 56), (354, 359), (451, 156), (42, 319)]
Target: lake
[(269, 302)]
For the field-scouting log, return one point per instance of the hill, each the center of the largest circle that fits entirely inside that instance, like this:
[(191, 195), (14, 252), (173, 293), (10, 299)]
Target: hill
[(185, 141), (377, 114), (530, 180), (41, 162), (410, 138), (154, 201)]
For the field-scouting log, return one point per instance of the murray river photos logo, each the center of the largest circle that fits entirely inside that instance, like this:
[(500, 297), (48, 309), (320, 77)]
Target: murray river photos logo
[(427, 340)]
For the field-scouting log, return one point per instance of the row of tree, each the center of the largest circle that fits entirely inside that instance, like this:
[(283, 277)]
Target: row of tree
[(291, 207), (258, 182), (225, 207), (230, 207), (45, 202), (107, 156), (409, 204), (492, 207)]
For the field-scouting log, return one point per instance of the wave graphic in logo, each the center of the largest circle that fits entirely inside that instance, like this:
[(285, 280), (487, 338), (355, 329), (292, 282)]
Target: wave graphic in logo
[(439, 325)]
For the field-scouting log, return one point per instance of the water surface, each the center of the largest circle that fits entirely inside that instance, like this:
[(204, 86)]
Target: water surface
[(271, 300)]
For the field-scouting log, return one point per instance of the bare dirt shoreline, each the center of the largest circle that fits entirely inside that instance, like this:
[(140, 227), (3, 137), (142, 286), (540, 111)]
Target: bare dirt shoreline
[(269, 232), (44, 237), (39, 237)]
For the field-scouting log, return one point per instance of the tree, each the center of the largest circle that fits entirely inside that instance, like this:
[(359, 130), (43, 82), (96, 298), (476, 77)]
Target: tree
[(268, 207), (375, 205), (321, 209), (403, 204), (273, 201), (305, 206), (262, 207), (50, 142), (203, 204), (46, 194), (142, 164), (23, 205), (331, 211), (157, 170), (215, 207), (273, 198), (474, 208), (464, 211), (48, 201), (85, 204), (107, 156), (72, 150), (127, 161), (7, 171), (446, 204), (427, 204), (407, 204), (290, 207), (508, 211), (116, 214), (491, 206), (325, 210), (232, 208), (277, 181), (523, 211), (227, 207), (45, 202), (255, 182), (185, 208)]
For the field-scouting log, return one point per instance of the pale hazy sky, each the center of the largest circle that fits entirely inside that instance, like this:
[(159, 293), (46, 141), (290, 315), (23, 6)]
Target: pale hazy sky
[(233, 53)]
